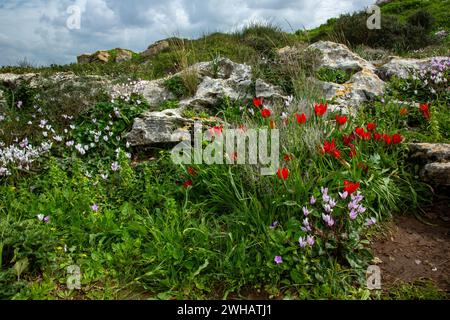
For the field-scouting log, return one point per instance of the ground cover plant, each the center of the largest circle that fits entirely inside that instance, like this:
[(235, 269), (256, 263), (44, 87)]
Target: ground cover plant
[(74, 192)]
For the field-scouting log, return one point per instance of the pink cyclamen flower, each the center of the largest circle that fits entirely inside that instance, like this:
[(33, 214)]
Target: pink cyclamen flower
[(313, 200), (310, 240), (305, 211), (328, 219), (343, 195), (278, 259), (43, 218), (302, 242), (353, 214), (94, 207), (306, 226), (370, 221), (115, 166)]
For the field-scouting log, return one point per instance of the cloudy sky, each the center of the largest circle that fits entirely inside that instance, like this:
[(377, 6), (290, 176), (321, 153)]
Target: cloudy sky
[(45, 31)]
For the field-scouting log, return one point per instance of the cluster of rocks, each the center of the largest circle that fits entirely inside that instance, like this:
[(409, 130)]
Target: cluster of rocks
[(119, 55), (367, 79), (219, 79), (224, 78), (58, 86), (434, 160)]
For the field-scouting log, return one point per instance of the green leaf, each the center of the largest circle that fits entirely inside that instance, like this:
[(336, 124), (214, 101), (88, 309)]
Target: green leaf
[(20, 266)]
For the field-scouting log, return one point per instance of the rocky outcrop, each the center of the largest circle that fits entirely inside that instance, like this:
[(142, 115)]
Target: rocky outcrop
[(434, 159), (402, 67), (339, 56), (99, 56), (12, 80), (159, 127), (155, 48), (61, 88), (364, 84), (217, 80), (123, 55), (119, 55)]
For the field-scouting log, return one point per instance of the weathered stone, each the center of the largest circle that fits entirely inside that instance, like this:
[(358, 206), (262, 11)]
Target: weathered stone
[(430, 152), (435, 161), (12, 79), (151, 128), (437, 173), (364, 84), (265, 90), (123, 55), (84, 58), (220, 79), (155, 48), (104, 56), (339, 56), (402, 67), (101, 56)]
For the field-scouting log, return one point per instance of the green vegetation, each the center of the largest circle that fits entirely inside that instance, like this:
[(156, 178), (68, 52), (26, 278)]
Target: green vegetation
[(406, 25), (332, 75), (73, 191)]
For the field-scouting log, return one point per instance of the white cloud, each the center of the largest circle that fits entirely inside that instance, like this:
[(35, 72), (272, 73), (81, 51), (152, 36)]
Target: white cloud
[(37, 29)]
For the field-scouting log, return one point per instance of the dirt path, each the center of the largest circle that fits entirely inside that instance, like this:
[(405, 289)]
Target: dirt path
[(414, 249)]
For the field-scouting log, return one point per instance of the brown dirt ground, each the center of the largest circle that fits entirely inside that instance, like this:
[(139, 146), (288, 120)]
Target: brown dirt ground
[(413, 249)]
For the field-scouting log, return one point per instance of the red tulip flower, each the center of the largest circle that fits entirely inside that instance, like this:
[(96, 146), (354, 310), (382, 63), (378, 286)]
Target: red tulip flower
[(387, 138), (320, 109), (287, 157), (265, 113), (301, 118), (341, 120), (359, 131), (371, 126), (366, 136), (403, 111), (188, 184), (283, 173), (396, 138), (330, 148), (215, 131), (257, 102), (425, 109), (377, 136), (348, 139), (350, 187)]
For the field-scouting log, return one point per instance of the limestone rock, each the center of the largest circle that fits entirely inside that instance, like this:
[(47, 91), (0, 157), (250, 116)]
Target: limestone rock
[(339, 56), (220, 79), (104, 56), (402, 67), (435, 161), (265, 90), (167, 126), (155, 48), (364, 84), (430, 152), (12, 79), (437, 173), (84, 58), (123, 55)]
